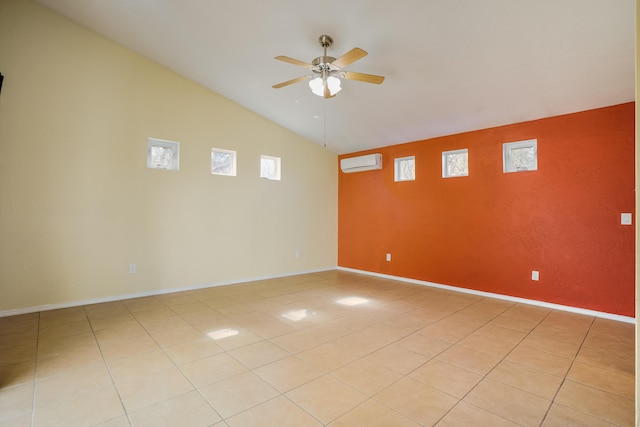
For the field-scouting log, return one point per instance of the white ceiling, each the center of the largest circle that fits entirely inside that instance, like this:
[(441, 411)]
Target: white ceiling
[(450, 66)]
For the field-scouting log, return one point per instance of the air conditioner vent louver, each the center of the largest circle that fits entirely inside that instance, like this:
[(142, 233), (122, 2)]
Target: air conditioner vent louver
[(361, 163)]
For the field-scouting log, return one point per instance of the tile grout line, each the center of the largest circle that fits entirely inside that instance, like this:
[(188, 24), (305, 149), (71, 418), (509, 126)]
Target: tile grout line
[(174, 363), (372, 397), (564, 379), (195, 388), (127, 414), (430, 359), (283, 394), (264, 339), (485, 376), (228, 352), (35, 371), (224, 351), (405, 329), (106, 365)]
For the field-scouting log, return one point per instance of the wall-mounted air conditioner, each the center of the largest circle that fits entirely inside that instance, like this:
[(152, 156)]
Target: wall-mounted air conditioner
[(361, 163)]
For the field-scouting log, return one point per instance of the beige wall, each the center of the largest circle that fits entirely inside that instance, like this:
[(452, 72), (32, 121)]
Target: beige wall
[(78, 204)]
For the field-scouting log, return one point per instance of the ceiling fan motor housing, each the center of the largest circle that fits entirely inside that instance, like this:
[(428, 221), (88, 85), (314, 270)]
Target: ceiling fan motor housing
[(324, 62)]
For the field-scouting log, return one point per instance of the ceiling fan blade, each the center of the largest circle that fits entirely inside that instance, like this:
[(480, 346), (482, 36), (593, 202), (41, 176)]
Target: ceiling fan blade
[(349, 57), (290, 82), (362, 77), (294, 62)]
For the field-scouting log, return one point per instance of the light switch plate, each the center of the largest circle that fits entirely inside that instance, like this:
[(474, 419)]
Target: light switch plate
[(626, 219)]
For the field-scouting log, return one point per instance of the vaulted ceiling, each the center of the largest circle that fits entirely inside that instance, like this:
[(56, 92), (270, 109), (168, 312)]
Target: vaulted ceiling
[(450, 66)]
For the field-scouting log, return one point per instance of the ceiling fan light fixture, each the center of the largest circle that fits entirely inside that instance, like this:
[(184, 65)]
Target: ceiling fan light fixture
[(327, 71), (334, 85), (317, 85)]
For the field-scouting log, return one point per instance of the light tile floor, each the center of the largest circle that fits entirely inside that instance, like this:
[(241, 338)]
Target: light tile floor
[(302, 351)]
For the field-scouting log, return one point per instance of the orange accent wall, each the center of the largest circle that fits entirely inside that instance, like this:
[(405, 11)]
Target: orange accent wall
[(489, 230)]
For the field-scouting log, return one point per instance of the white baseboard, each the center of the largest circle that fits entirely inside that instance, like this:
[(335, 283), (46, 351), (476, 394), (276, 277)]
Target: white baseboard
[(47, 307), (584, 311)]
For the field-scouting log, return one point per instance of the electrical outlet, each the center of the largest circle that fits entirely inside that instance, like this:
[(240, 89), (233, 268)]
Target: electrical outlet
[(535, 275), (133, 268), (298, 253), (388, 257)]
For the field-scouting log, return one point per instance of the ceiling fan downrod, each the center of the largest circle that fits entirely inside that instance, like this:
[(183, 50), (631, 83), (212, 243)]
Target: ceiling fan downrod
[(324, 61)]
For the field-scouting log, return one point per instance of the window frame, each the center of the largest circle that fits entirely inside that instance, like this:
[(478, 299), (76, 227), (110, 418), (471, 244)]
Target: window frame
[(174, 145), (507, 159), (397, 168), (234, 160), (278, 167), (445, 162)]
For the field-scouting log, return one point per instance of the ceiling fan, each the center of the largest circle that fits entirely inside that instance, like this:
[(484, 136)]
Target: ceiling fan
[(327, 70)]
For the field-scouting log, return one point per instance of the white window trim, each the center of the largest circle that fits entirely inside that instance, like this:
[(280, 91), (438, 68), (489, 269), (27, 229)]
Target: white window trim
[(396, 168), (445, 162), (233, 161), (507, 147), (278, 161), (154, 142)]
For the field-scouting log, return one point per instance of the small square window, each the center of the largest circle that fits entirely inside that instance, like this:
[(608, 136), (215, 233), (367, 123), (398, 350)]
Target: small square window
[(405, 168), (163, 154), (520, 156), (455, 163), (223, 162), (270, 167)]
